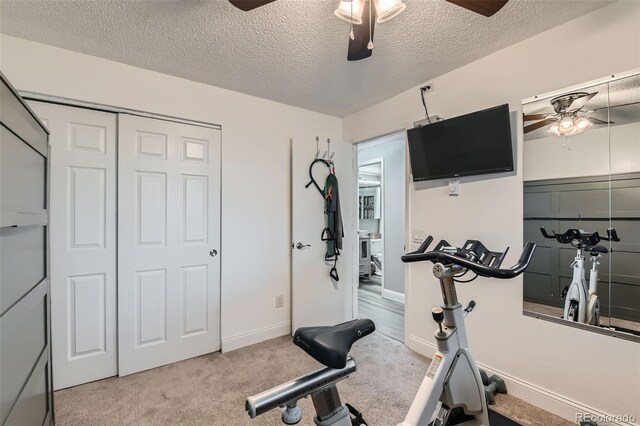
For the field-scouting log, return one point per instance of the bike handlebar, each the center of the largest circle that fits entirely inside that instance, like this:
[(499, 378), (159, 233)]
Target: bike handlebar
[(612, 235), (421, 255), (423, 246), (582, 237), (546, 234)]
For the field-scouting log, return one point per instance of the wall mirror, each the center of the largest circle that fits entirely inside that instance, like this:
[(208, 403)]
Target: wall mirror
[(581, 172)]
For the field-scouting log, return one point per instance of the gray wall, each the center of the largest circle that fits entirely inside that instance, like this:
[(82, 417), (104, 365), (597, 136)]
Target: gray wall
[(393, 153), (584, 203)]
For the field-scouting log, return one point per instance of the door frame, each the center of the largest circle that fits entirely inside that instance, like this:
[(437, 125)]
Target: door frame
[(387, 137), (70, 102), (41, 97)]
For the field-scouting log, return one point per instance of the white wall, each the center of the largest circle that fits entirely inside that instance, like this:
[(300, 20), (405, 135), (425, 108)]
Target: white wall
[(586, 154), (533, 355), (256, 136), (393, 153)]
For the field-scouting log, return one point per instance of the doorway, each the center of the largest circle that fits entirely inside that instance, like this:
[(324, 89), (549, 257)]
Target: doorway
[(381, 231)]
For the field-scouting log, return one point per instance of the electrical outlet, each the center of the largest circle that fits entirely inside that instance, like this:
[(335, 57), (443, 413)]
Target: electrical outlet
[(279, 301), (419, 236)]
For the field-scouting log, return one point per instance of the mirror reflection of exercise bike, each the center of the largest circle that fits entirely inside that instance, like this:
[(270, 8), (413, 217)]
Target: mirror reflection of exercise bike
[(453, 391), (581, 302)]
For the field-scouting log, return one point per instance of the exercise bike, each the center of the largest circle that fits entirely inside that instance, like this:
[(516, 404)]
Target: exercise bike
[(581, 303), (452, 392)]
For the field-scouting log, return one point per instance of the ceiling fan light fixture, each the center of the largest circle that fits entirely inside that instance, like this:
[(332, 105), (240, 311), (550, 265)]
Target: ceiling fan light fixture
[(554, 129), (582, 124), (387, 9), (566, 132), (344, 11), (566, 125)]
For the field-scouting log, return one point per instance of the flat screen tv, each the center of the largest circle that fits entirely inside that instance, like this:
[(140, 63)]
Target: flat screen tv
[(472, 144)]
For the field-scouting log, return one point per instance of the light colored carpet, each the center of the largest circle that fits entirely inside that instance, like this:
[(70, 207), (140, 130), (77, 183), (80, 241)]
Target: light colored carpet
[(211, 389)]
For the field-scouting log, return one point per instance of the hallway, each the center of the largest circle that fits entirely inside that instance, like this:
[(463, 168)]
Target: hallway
[(386, 314)]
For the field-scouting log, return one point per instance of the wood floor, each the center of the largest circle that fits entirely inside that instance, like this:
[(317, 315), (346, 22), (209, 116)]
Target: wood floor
[(386, 314)]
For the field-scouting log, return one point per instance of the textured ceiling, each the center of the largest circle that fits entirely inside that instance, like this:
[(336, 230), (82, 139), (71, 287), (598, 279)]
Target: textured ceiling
[(291, 51)]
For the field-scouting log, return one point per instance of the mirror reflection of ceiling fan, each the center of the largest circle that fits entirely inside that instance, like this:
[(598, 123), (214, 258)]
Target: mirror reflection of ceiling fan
[(363, 14), (568, 118)]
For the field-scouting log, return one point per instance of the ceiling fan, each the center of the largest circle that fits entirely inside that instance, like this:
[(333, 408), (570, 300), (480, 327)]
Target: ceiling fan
[(362, 17), (568, 118)]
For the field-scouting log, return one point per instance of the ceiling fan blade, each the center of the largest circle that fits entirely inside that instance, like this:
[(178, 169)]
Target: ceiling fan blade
[(598, 121), (358, 46), (535, 126), (535, 117), (483, 7), (248, 5), (580, 102)]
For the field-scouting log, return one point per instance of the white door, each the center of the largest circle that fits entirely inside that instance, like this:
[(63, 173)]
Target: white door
[(168, 242), (316, 298), (82, 243)]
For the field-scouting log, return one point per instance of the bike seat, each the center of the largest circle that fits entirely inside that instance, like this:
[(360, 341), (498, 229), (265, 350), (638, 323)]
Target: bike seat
[(597, 249), (330, 345)]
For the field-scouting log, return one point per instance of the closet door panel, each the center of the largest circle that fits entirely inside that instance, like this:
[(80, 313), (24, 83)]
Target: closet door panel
[(83, 242), (21, 163), (32, 407), (18, 354), (17, 118), (87, 196), (21, 167), (22, 264), (24, 285), (169, 223)]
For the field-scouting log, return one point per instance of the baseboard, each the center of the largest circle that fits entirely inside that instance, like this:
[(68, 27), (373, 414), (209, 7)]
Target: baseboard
[(393, 295), (535, 395), (257, 336)]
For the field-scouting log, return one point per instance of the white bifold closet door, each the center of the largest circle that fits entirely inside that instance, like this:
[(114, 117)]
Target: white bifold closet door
[(82, 242), (168, 238)]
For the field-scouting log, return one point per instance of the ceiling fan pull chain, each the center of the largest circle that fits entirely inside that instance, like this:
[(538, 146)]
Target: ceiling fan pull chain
[(351, 34), (370, 44)]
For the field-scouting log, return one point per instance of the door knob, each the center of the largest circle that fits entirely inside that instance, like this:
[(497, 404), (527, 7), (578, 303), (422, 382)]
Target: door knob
[(213, 253), (300, 246)]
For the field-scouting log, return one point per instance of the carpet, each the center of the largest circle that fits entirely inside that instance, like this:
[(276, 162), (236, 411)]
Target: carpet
[(211, 389)]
